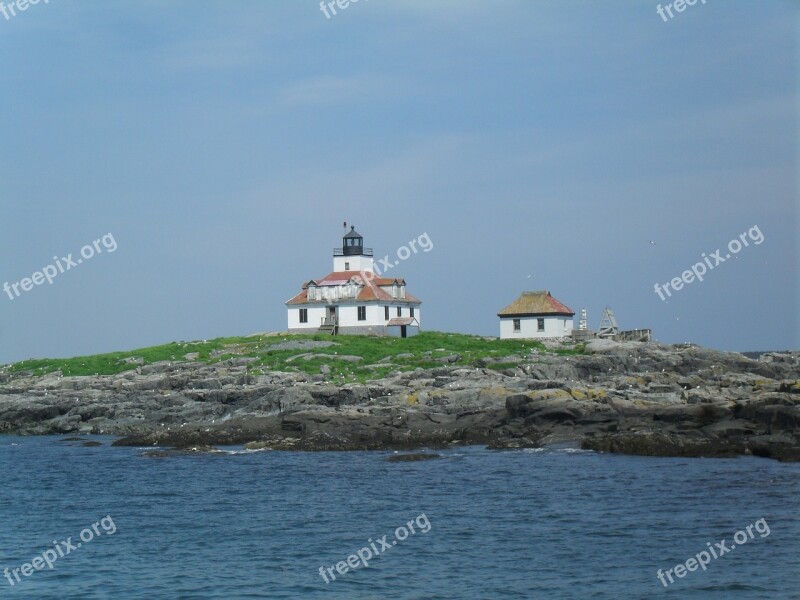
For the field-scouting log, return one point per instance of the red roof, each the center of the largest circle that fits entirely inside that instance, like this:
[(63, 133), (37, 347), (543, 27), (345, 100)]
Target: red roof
[(370, 292), (339, 277), (301, 298), (348, 275), (535, 303)]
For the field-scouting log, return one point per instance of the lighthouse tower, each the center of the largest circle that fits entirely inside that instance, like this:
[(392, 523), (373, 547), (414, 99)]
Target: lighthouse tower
[(353, 299), (352, 256)]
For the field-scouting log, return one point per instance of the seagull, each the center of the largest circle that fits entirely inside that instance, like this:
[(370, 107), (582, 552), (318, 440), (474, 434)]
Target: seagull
[(652, 243)]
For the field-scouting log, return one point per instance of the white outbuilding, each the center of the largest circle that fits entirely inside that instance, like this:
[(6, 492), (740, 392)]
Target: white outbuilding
[(353, 298), (536, 315)]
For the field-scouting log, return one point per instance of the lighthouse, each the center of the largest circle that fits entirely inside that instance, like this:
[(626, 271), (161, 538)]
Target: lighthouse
[(352, 299), (352, 256)]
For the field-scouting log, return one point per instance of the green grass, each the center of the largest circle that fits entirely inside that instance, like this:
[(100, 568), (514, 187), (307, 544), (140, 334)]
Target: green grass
[(425, 348)]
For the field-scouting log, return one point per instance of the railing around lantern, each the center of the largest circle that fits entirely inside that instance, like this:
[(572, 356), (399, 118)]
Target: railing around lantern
[(364, 252)]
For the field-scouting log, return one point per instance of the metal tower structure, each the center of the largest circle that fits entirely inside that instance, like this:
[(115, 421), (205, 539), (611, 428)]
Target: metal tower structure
[(608, 325)]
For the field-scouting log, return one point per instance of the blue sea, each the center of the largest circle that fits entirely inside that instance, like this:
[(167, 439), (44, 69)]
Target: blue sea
[(557, 523)]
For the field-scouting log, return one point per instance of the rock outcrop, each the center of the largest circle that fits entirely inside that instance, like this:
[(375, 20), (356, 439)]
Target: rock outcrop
[(629, 397)]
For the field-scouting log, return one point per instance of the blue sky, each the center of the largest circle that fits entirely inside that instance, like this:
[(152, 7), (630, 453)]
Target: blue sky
[(224, 143)]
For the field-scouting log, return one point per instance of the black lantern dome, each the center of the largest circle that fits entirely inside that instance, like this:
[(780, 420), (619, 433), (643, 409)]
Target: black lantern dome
[(352, 243)]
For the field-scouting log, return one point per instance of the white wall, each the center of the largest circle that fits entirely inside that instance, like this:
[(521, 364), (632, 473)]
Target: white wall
[(356, 263), (315, 316), (405, 313), (555, 326), (348, 315), (376, 314)]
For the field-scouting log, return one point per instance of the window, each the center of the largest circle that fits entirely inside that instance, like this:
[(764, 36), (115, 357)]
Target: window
[(411, 312), (304, 315), (362, 313), (347, 266), (516, 325), (386, 312), (540, 323), (399, 311)]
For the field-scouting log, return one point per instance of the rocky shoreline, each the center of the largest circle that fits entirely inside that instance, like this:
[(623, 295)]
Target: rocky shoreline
[(624, 397)]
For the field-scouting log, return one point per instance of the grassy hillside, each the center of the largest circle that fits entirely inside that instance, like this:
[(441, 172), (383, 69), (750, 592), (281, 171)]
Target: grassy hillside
[(398, 354)]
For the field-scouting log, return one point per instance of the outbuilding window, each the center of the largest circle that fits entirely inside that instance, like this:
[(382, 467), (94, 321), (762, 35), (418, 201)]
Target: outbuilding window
[(362, 313), (517, 326), (541, 324)]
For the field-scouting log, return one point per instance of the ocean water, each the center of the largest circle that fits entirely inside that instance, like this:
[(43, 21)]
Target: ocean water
[(512, 524)]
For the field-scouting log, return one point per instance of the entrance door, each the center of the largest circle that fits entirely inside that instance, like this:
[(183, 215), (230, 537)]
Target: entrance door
[(403, 332)]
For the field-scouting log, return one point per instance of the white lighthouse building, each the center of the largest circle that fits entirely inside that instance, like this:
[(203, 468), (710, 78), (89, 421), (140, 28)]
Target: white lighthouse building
[(353, 299)]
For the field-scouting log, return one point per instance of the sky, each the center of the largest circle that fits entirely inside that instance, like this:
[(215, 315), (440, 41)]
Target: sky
[(592, 149)]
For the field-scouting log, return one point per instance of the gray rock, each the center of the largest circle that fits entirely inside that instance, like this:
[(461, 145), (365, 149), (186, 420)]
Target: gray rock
[(452, 358), (634, 397)]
